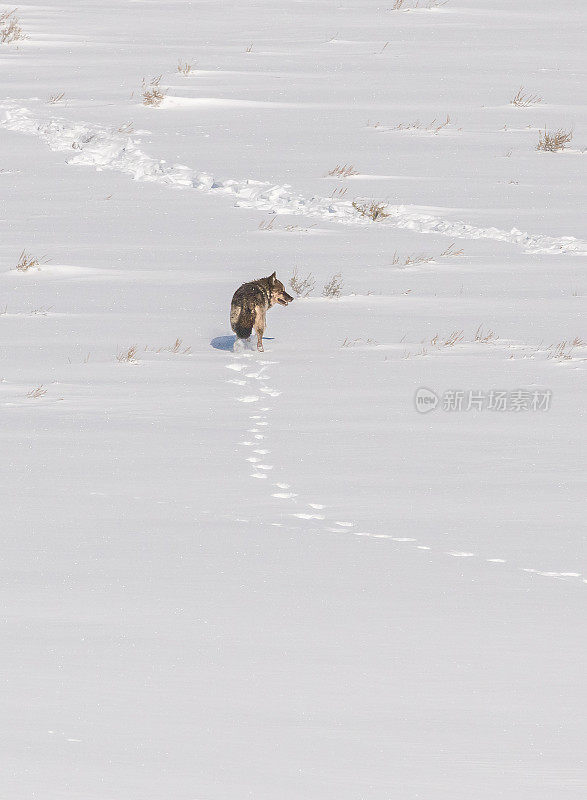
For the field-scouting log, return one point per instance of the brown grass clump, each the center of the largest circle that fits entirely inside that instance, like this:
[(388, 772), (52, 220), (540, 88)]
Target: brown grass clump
[(27, 260), (484, 336), (128, 356), (401, 5), (423, 258), (153, 94), (371, 209), (565, 350), (334, 286), (10, 30), (184, 67), (342, 171), (523, 99), (303, 287), (38, 391), (176, 347), (338, 194), (450, 251), (454, 338), (552, 141), (357, 342)]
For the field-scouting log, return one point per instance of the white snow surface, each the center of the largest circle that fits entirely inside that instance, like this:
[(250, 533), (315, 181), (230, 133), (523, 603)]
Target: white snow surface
[(232, 574)]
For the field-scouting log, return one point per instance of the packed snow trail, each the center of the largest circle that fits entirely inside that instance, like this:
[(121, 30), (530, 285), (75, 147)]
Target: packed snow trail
[(108, 148), (253, 376)]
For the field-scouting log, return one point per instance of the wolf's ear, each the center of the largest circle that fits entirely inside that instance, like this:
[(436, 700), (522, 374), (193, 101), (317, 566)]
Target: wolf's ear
[(273, 277)]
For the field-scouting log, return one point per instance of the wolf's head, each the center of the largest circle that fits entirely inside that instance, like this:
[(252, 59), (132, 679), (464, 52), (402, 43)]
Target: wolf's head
[(277, 291)]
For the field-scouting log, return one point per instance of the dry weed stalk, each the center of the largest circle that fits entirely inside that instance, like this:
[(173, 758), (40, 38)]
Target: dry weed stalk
[(176, 347), (56, 98), (451, 252), (423, 258), (184, 67), (399, 5), (355, 342), (27, 260), (371, 209), (334, 286), (342, 171), (552, 141), (454, 338), (153, 94), (10, 30), (564, 351), (128, 356), (523, 99), (339, 193), (39, 391), (484, 336), (302, 287)]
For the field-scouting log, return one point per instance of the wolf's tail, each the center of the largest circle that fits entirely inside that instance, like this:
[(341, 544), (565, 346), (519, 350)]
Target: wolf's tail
[(241, 322)]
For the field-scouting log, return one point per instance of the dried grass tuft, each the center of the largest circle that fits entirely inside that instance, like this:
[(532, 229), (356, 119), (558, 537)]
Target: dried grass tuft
[(10, 30), (176, 347), (27, 260), (334, 286), (184, 67), (128, 356), (38, 391), (153, 94), (371, 209), (484, 336), (523, 99), (342, 171), (302, 287), (552, 141)]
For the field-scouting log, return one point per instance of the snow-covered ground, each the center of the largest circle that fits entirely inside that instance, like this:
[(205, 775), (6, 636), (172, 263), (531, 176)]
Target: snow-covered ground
[(230, 574)]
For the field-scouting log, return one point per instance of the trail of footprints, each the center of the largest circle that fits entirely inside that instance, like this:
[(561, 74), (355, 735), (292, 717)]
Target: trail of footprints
[(255, 379)]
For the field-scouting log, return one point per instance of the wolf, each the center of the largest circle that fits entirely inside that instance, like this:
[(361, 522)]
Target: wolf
[(250, 303)]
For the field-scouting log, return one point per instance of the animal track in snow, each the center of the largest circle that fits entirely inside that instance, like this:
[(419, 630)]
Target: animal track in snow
[(339, 527), (107, 148), (554, 574)]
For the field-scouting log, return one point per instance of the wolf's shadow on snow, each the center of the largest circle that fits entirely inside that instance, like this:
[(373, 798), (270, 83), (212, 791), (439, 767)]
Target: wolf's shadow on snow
[(223, 343)]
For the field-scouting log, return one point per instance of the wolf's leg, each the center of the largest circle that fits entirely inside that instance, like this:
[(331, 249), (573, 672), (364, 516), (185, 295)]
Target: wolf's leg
[(260, 329)]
